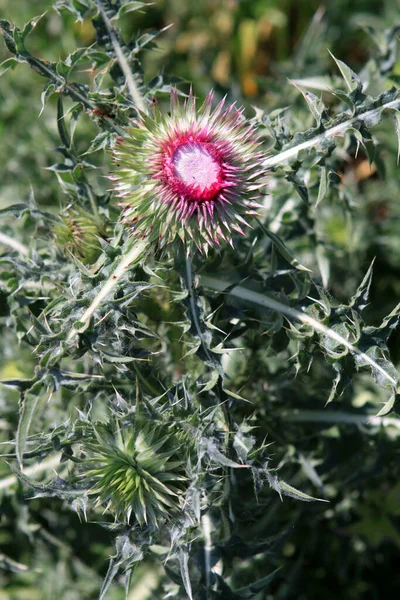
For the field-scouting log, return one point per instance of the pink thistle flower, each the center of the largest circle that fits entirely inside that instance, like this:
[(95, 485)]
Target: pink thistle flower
[(194, 173)]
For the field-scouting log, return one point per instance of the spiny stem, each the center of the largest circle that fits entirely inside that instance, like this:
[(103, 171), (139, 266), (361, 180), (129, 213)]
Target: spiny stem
[(263, 300), (123, 63), (14, 244), (286, 155), (92, 201), (206, 527), (335, 417), (134, 254), (193, 308), (45, 465), (72, 90)]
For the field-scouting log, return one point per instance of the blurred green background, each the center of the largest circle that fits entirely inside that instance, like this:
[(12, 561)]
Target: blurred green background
[(247, 49)]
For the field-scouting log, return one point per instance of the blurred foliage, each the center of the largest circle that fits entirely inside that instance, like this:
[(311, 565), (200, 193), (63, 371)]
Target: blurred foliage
[(156, 350)]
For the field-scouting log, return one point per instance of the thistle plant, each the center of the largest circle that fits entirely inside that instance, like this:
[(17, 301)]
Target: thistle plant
[(199, 301)]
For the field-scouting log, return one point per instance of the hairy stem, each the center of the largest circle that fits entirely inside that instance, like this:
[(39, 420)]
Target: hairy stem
[(206, 527), (40, 67), (45, 69), (193, 307), (335, 417), (337, 130), (14, 244), (264, 300), (134, 254), (45, 465), (123, 63)]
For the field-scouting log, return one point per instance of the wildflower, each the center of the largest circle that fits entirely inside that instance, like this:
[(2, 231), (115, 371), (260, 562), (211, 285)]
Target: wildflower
[(193, 174)]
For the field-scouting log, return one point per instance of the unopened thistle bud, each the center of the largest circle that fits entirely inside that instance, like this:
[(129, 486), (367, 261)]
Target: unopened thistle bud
[(79, 233), (136, 472), (193, 174)]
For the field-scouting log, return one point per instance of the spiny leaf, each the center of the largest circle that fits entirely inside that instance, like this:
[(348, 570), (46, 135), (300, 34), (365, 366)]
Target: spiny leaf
[(289, 490), (29, 405), (183, 557), (315, 104), (7, 64), (395, 114), (249, 590), (352, 80), (283, 249), (128, 7), (360, 298), (323, 184)]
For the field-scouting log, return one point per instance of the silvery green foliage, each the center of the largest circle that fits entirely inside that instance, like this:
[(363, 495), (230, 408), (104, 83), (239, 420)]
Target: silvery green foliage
[(203, 356)]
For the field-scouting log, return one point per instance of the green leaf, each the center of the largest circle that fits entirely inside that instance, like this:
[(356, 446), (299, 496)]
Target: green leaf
[(364, 139), (147, 39), (299, 185), (29, 405), (115, 358), (48, 91), (289, 490), (18, 384), (315, 104), (15, 209), (75, 57), (127, 8), (352, 80), (345, 98), (395, 115), (183, 557), (104, 139), (7, 64), (338, 377), (384, 372), (20, 36), (112, 571), (360, 298), (212, 382), (323, 184), (249, 590), (283, 249), (388, 406), (323, 263), (79, 8)]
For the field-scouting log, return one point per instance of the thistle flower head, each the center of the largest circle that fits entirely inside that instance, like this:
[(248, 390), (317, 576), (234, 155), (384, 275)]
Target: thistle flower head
[(136, 471), (194, 174)]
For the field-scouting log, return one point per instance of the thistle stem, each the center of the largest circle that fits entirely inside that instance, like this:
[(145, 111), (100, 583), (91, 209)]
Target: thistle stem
[(14, 244), (206, 527), (193, 309), (134, 254), (92, 201), (286, 155), (263, 300), (45, 465), (336, 417), (133, 88), (73, 91)]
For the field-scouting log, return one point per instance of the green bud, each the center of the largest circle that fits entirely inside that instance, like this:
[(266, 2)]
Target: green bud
[(137, 471), (78, 234)]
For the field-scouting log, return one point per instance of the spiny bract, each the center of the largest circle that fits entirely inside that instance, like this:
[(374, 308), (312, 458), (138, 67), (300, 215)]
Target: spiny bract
[(79, 233), (136, 471), (193, 174)]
